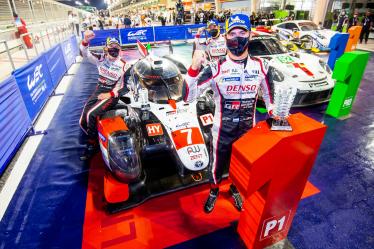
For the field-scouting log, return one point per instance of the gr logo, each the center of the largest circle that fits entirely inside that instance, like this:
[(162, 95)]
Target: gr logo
[(274, 225)]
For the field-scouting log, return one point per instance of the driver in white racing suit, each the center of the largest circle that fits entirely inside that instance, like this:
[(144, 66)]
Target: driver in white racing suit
[(235, 81), (215, 45), (110, 82)]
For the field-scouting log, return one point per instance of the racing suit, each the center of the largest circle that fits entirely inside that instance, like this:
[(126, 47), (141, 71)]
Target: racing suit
[(111, 75), (215, 47), (235, 86)]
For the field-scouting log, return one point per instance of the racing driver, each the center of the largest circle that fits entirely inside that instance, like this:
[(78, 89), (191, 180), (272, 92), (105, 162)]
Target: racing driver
[(235, 81), (216, 44), (111, 72)]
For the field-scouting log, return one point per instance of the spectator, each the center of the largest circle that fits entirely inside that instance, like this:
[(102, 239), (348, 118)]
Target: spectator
[(367, 24), (21, 27), (127, 22)]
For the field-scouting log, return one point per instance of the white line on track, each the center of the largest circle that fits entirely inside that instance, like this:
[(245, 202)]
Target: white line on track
[(31, 145)]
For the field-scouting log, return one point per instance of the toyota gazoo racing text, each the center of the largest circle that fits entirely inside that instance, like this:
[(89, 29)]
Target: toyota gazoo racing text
[(306, 72), (151, 128)]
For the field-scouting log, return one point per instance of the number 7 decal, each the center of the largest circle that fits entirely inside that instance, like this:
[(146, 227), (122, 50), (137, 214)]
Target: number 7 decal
[(181, 139), (189, 135)]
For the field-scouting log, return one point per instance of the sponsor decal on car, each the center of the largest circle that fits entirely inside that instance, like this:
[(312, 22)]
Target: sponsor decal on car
[(285, 59), (199, 164), (187, 137), (154, 129), (178, 111), (206, 119)]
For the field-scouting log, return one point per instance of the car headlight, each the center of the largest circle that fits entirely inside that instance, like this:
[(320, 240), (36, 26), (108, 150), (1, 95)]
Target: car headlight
[(124, 159), (325, 66), (275, 75)]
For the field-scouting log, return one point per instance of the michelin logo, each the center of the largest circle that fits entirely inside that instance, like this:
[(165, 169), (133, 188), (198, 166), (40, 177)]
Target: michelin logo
[(137, 35)]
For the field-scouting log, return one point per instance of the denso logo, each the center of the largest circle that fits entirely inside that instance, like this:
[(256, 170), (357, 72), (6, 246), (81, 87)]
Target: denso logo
[(244, 88), (37, 76), (137, 33)]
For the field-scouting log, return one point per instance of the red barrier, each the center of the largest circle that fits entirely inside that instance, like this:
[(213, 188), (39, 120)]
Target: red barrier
[(271, 170)]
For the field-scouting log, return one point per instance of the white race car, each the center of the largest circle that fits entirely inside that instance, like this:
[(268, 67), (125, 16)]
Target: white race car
[(305, 30), (306, 72)]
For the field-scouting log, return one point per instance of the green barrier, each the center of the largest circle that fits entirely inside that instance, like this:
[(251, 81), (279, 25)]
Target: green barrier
[(348, 73)]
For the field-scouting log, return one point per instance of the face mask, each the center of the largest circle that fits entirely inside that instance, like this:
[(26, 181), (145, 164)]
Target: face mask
[(237, 45), (114, 52), (213, 32)]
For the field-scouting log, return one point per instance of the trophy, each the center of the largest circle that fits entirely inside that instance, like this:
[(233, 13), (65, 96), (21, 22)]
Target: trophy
[(284, 96)]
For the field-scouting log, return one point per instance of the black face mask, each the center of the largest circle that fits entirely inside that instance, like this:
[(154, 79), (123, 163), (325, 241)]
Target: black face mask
[(237, 45), (114, 52), (213, 32)]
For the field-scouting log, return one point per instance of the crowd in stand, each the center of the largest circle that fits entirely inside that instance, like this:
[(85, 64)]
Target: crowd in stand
[(144, 18)]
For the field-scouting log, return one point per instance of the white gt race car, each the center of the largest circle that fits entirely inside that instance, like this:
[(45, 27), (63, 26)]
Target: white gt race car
[(307, 30), (306, 72)]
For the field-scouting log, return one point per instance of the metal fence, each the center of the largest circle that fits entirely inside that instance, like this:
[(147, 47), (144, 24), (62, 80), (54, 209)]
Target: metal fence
[(14, 53)]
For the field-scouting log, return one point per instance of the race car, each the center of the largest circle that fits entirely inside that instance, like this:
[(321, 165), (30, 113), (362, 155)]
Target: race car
[(306, 72), (152, 142), (305, 30)]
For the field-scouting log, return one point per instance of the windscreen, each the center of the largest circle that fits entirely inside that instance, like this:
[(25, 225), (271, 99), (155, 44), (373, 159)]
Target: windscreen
[(267, 46), (308, 26), (160, 90)]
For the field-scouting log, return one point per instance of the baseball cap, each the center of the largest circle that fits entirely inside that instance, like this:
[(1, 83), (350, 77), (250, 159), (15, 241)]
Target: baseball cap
[(212, 22), (112, 40), (238, 21)]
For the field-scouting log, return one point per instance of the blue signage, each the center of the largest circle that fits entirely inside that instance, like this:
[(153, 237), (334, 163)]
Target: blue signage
[(56, 64), (102, 35), (14, 121), (35, 85), (144, 34), (68, 51)]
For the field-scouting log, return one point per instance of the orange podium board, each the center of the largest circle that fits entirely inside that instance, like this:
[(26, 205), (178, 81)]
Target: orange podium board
[(354, 35), (271, 169)]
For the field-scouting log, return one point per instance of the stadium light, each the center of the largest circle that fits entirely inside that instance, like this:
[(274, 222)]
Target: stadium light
[(78, 3)]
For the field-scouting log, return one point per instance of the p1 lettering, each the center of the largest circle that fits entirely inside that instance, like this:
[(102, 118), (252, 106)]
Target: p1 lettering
[(274, 225), (206, 119)]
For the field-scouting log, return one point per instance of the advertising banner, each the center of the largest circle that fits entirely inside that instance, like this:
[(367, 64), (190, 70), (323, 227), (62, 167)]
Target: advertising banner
[(56, 64), (165, 33), (14, 121), (102, 35), (35, 85), (144, 34), (69, 52), (74, 43)]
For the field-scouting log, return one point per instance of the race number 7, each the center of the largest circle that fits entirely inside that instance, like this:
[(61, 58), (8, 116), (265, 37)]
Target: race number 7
[(186, 137), (189, 135)]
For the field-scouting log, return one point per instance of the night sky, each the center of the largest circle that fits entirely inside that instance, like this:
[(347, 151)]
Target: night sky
[(99, 4)]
